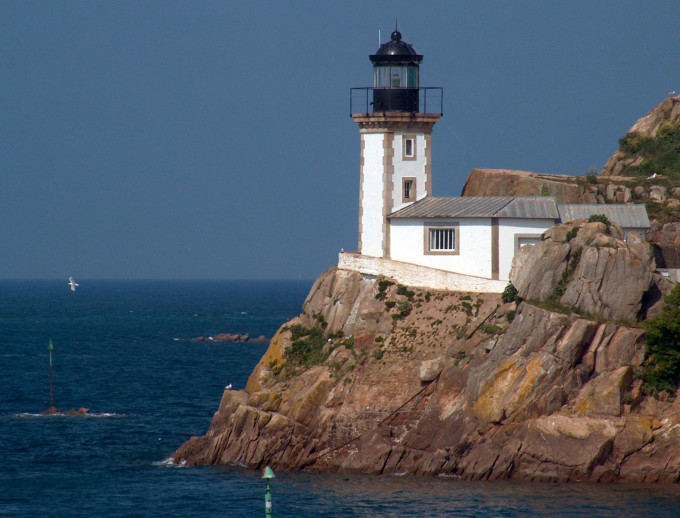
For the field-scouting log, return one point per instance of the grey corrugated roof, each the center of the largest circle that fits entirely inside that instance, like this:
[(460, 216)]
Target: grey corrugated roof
[(627, 216), (539, 207)]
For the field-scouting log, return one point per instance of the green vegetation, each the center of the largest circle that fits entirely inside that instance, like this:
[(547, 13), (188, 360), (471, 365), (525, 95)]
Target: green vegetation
[(309, 350), (461, 332), (591, 175), (600, 218), (403, 310), (510, 294), (570, 235), (403, 290), (491, 329), (660, 154), (566, 278), (383, 284), (661, 370)]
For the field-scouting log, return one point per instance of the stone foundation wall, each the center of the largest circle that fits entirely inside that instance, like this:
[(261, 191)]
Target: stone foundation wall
[(418, 276)]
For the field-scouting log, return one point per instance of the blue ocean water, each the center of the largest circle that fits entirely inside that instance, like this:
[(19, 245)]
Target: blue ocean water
[(123, 349)]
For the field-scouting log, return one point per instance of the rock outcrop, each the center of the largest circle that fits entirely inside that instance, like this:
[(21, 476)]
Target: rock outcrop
[(588, 267), (503, 182), (461, 384), (667, 111)]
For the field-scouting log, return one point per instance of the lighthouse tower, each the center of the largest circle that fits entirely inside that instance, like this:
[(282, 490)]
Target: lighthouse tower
[(396, 144)]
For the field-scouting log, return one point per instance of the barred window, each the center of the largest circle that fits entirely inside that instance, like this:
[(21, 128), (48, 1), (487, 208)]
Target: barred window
[(442, 239)]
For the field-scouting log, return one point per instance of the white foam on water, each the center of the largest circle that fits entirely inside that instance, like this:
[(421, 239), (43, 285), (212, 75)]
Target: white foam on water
[(169, 462), (448, 475)]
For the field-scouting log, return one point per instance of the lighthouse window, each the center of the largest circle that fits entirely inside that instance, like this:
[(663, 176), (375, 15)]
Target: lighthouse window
[(395, 77), (408, 191), (441, 240), (408, 144), (412, 77), (398, 77), (382, 77)]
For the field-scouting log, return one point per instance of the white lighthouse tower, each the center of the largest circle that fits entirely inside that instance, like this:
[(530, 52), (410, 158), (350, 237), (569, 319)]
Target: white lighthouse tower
[(396, 144)]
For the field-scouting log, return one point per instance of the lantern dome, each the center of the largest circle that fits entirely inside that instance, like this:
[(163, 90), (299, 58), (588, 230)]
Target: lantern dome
[(396, 51)]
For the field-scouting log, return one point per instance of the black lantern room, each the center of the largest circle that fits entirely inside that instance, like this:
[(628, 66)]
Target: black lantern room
[(395, 76)]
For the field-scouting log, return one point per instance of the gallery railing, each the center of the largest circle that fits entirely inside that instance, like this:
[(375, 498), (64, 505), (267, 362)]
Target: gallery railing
[(410, 100)]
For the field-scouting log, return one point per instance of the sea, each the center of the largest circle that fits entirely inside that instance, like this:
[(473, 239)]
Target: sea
[(126, 351)]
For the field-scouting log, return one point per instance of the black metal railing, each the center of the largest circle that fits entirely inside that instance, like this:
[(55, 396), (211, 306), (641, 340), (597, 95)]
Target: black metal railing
[(430, 100)]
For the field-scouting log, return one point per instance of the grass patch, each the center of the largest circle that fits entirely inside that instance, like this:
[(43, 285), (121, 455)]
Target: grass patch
[(491, 329), (309, 350), (383, 284)]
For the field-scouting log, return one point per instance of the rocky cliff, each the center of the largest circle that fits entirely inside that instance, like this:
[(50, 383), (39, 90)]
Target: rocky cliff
[(378, 378), (504, 182), (666, 114)]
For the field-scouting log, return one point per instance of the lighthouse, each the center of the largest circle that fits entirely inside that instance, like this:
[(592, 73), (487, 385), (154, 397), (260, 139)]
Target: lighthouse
[(395, 118)]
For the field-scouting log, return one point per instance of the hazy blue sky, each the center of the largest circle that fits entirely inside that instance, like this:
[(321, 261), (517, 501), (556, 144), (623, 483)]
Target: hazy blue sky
[(212, 139)]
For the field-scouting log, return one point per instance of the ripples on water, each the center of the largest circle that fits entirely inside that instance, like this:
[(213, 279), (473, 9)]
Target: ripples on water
[(123, 349)]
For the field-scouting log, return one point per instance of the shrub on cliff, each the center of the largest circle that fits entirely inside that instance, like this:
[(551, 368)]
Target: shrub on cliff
[(659, 154), (510, 294), (309, 350), (662, 366), (600, 218)]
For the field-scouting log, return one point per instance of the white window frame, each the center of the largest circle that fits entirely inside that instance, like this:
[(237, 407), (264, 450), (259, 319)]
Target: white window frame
[(525, 236), (449, 235)]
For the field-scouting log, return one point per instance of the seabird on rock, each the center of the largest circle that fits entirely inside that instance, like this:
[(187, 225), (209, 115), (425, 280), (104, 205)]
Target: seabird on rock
[(228, 387), (651, 177)]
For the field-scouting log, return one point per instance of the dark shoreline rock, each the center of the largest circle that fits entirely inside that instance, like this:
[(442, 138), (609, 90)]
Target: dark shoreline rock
[(231, 337), (81, 412)]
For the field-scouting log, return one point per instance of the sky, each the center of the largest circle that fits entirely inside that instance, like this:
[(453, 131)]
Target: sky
[(212, 139)]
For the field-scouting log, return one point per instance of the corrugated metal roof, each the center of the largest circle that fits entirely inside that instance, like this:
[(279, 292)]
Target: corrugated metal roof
[(535, 207), (539, 207), (627, 216)]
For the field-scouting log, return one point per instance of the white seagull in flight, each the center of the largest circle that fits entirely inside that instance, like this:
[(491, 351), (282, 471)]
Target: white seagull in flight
[(72, 283)]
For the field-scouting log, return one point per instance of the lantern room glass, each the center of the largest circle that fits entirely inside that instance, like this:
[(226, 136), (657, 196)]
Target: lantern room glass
[(395, 77)]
